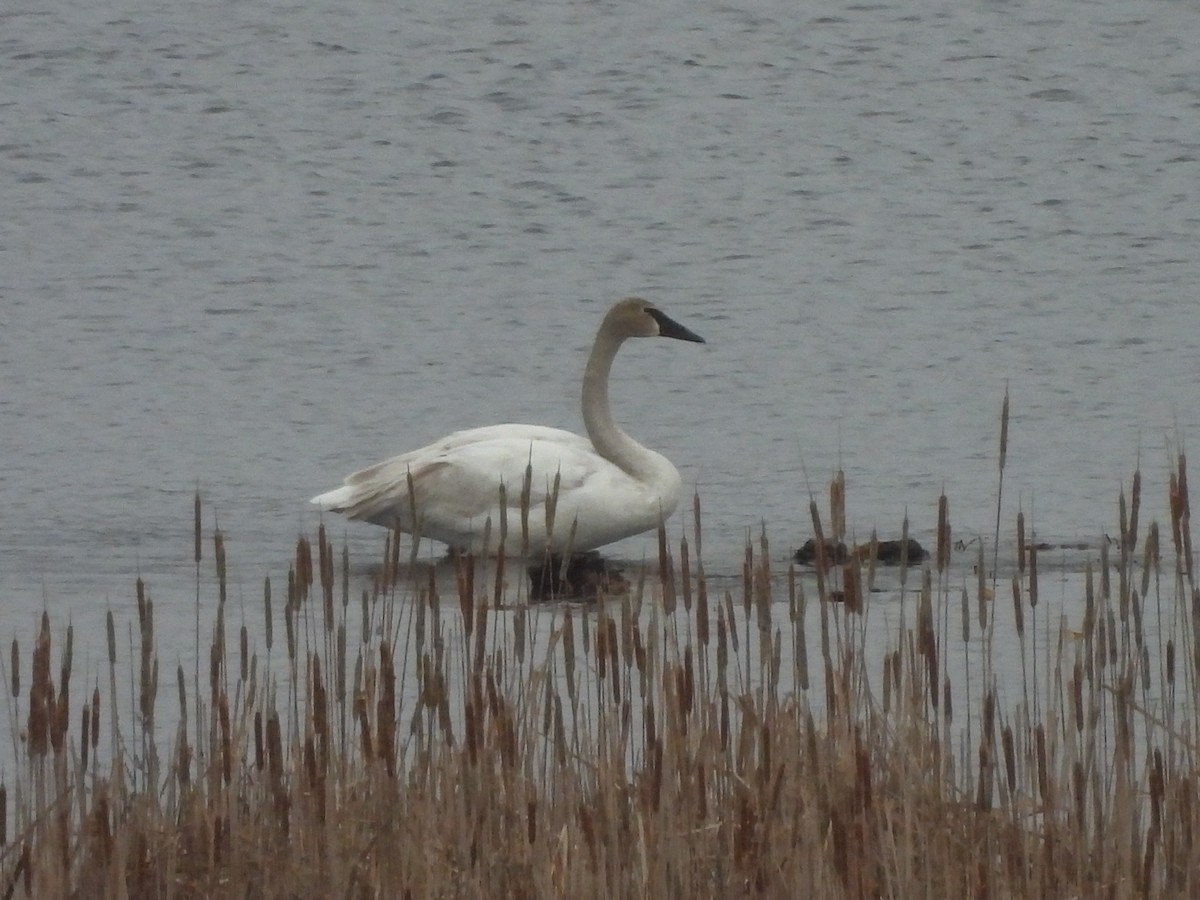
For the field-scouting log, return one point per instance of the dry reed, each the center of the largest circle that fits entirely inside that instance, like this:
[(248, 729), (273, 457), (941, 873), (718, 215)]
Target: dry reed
[(668, 742)]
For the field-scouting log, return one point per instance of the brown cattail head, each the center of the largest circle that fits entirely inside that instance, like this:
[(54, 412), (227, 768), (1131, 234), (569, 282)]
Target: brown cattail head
[(196, 537), (1004, 428), (96, 716), (219, 555), (837, 505), (1135, 504), (1033, 576), (111, 630), (1176, 502), (1021, 542), (943, 533)]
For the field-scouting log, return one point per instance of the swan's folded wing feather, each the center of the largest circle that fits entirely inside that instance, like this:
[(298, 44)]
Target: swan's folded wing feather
[(456, 481)]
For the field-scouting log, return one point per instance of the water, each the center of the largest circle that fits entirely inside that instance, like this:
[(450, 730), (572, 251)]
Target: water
[(249, 248)]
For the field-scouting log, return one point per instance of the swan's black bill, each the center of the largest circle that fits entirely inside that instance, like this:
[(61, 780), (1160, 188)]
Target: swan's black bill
[(668, 327)]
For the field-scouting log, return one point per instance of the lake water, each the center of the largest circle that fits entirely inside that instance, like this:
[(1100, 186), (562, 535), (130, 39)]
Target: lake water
[(248, 248)]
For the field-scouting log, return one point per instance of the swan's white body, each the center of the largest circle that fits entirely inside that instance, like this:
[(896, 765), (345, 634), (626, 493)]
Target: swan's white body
[(609, 486)]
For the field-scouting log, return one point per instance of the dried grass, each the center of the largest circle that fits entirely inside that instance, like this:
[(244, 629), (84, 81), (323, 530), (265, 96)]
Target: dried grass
[(671, 742)]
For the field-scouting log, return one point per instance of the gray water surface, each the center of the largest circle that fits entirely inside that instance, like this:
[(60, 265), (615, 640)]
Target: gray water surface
[(252, 247)]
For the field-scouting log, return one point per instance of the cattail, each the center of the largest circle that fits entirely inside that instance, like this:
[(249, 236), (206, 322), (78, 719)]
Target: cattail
[(601, 651), (1185, 504), (747, 577), (182, 685), (1176, 504), (303, 568), (943, 533), (146, 624), (1150, 558), (1018, 612), (613, 657), (1021, 542), (568, 640), (1043, 773), (722, 645), (40, 696), (68, 654), (85, 738), (1010, 762), (1079, 790), (1089, 608), (666, 570), (219, 554), (526, 502), (837, 505), (685, 572), (702, 611), (1123, 520), (320, 707), (1135, 504), (339, 685), (1077, 697), (61, 721), (96, 717), (289, 621), (244, 654), (226, 740), (800, 640), (1185, 519), (196, 534), (498, 589), (639, 652), (327, 580), (274, 749), (112, 638), (552, 504), (214, 669), (386, 707), (887, 685), (15, 668), (852, 587), (258, 740), (1033, 576), (1004, 428), (364, 727)]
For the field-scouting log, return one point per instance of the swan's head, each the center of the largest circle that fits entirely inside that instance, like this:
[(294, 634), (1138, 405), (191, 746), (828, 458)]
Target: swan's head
[(635, 317)]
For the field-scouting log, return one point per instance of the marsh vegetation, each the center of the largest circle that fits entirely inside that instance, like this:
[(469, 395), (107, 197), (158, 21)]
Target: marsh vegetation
[(421, 731)]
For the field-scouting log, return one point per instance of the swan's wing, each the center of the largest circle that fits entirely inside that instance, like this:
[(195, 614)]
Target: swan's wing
[(468, 438), (456, 481)]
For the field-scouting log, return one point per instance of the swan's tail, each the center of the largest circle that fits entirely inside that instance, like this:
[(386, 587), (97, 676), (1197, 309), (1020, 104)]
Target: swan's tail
[(338, 500)]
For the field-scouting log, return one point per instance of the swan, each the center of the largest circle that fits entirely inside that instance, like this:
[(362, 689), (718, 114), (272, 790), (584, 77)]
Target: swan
[(609, 486)]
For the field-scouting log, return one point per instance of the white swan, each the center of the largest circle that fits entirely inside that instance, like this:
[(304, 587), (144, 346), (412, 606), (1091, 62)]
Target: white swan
[(610, 486)]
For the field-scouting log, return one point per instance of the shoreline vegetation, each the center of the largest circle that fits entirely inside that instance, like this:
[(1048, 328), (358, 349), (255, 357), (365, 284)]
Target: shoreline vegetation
[(436, 738)]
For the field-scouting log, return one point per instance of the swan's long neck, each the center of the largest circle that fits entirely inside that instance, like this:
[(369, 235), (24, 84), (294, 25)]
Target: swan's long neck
[(609, 440)]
